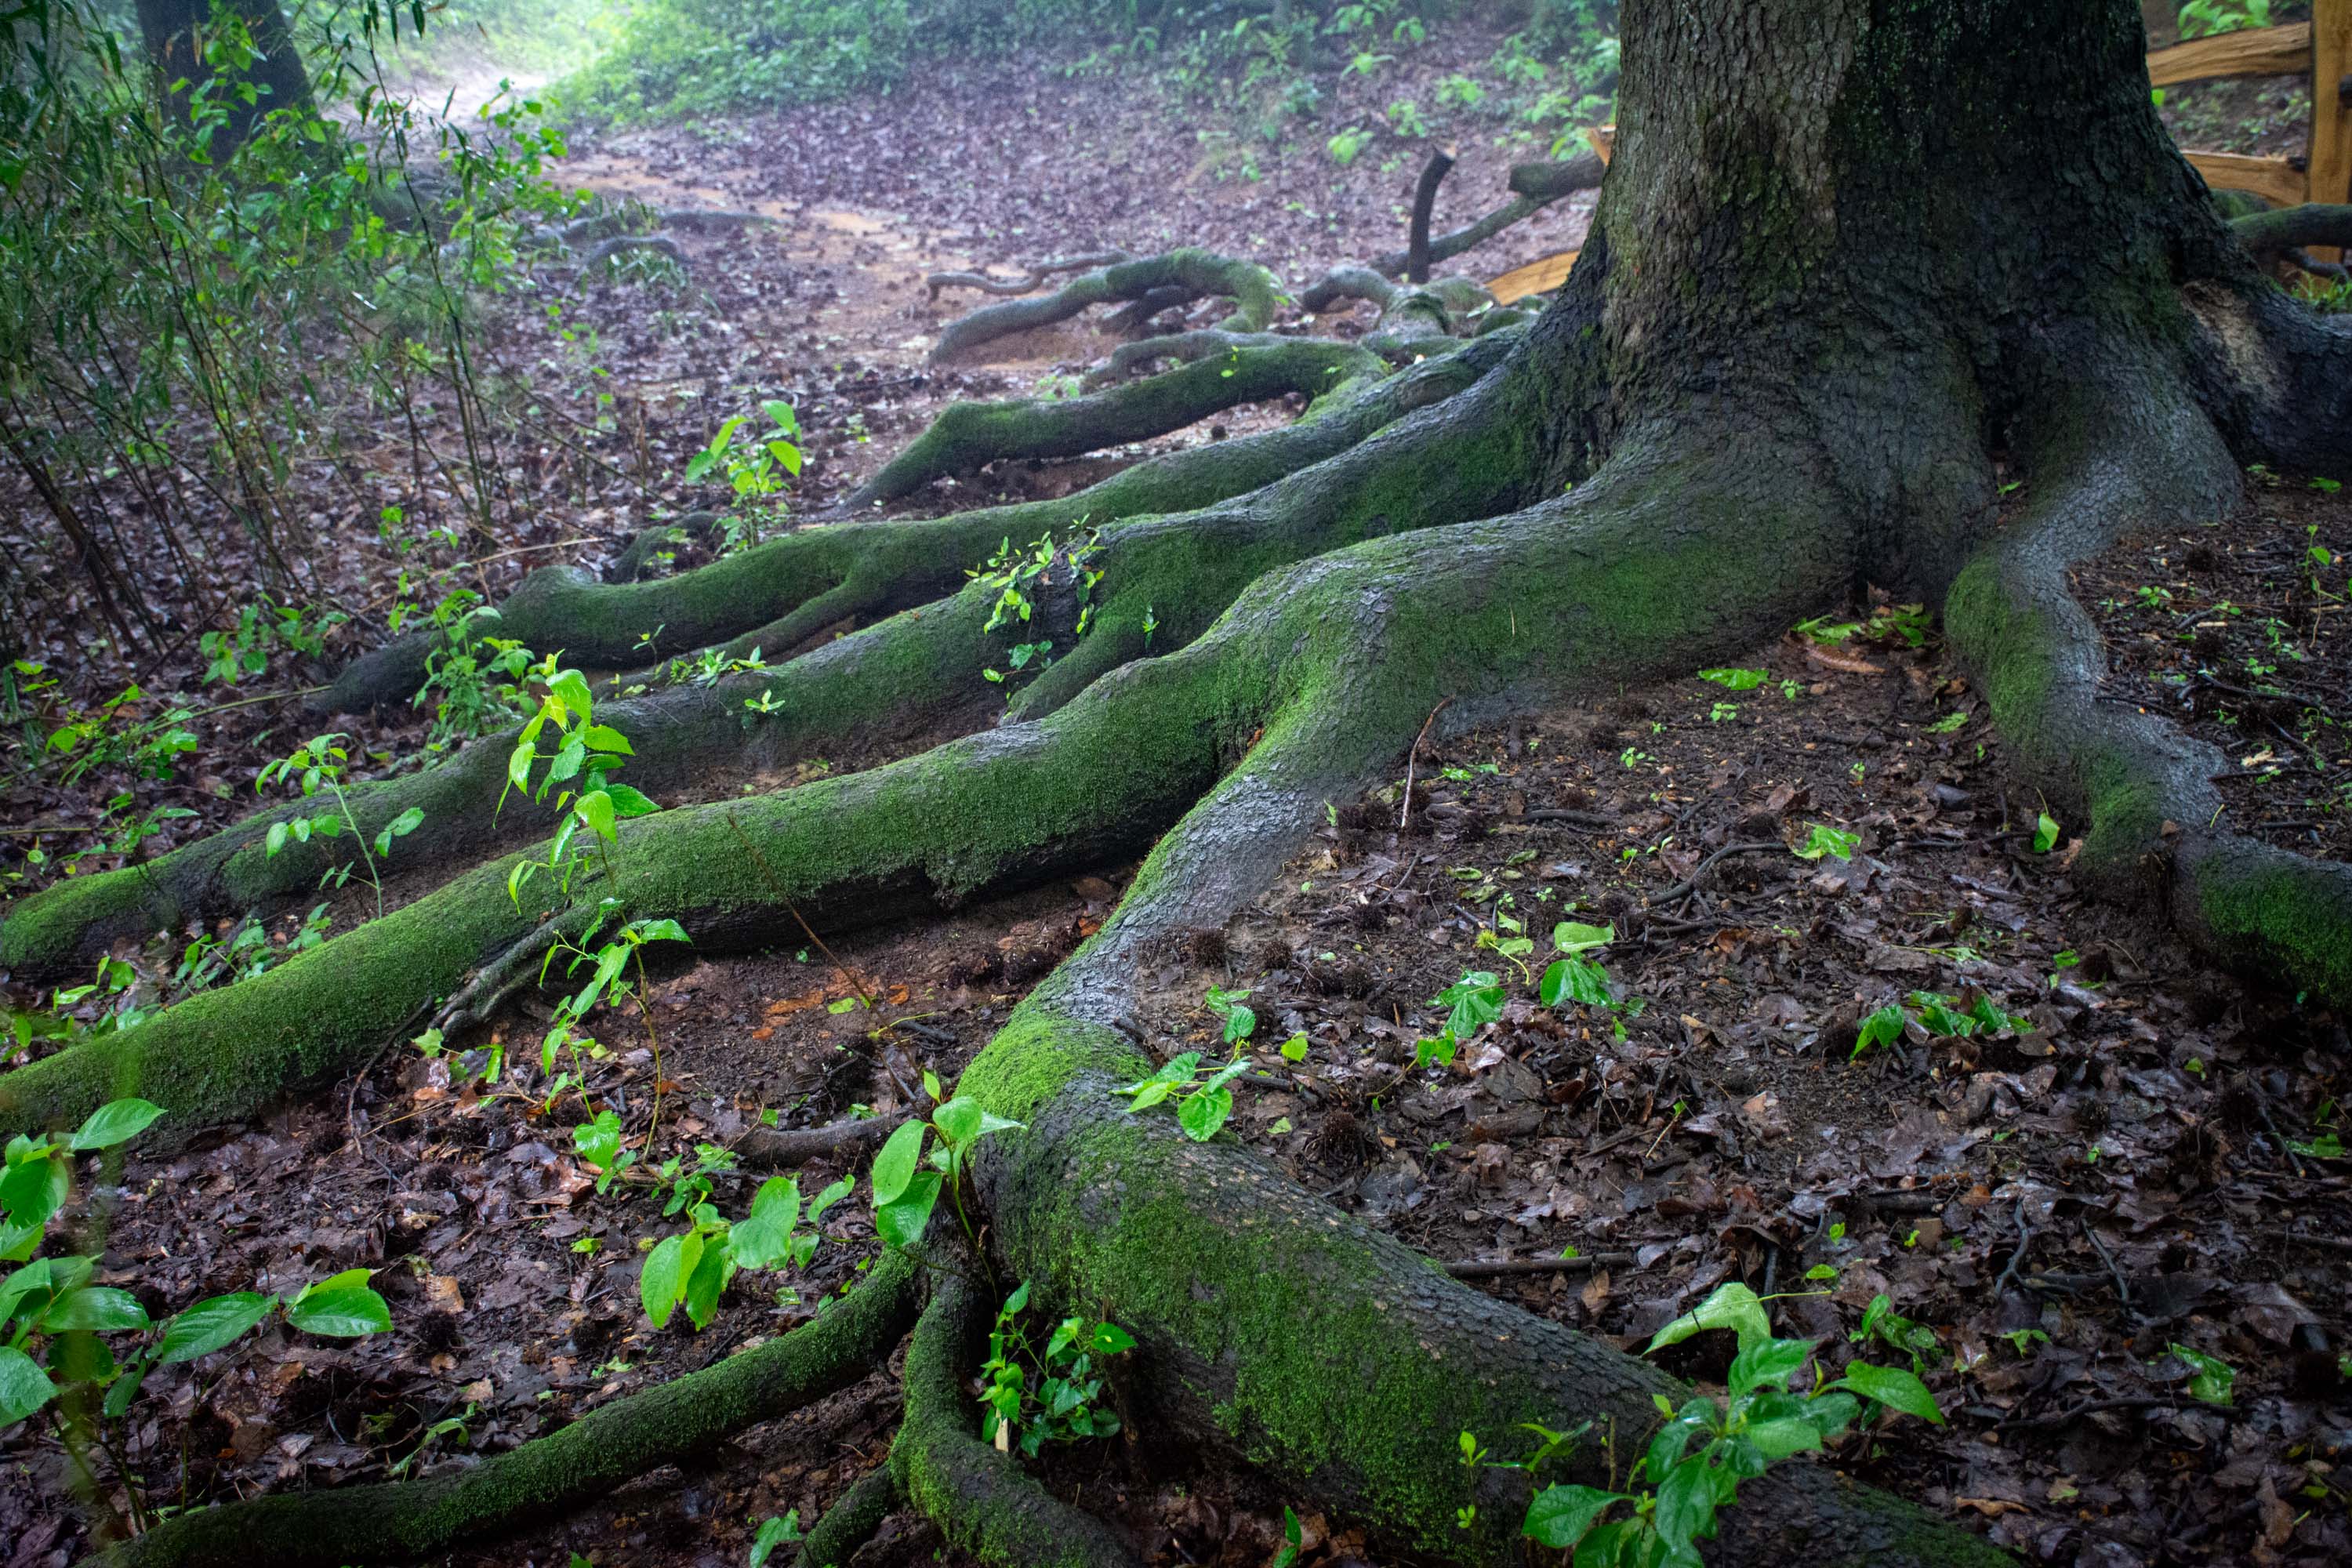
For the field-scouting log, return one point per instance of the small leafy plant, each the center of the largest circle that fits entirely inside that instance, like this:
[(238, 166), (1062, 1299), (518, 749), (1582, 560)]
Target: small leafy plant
[(751, 467), (693, 1269), (1472, 1003), (585, 755), (49, 1301), (1031, 1399), (1937, 1015), (318, 763), (1696, 1460), (1881, 1324), (904, 1192), (1824, 839), (1203, 1106)]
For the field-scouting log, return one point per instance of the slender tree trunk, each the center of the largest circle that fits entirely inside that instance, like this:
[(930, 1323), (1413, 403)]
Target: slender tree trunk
[(169, 29)]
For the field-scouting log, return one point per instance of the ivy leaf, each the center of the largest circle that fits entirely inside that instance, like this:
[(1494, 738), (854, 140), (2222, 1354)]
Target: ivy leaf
[(703, 1286), (2214, 1378), (762, 1238), (1685, 1504), (1204, 1112), (1779, 1439), (1882, 1028), (893, 1167), (663, 1279), (33, 1189), (774, 1533), (1770, 1364), (627, 802), (1560, 1515), (595, 809), (570, 687), (1575, 936), (1827, 841), (100, 1308), (1574, 979), (900, 1222)]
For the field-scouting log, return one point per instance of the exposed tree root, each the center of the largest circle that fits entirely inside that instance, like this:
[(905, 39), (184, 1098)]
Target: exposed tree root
[(623, 244), (2267, 234), (1434, 171), (1251, 288), (2153, 822), (967, 434), (1028, 283), (852, 1519), (757, 596), (648, 542), (775, 1148), (894, 678), (400, 1520), (982, 1499)]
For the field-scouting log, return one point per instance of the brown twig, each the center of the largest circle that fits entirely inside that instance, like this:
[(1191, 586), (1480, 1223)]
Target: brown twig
[(1409, 757)]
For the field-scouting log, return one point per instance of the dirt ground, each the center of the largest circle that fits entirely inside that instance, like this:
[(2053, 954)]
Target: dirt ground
[(2147, 1155)]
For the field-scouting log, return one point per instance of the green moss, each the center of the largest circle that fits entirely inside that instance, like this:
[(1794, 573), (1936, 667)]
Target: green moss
[(45, 934), (2292, 916)]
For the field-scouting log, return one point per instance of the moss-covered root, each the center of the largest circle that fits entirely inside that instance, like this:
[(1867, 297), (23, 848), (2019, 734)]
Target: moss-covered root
[(2141, 792), (986, 814), (982, 1499), (967, 435), (906, 675), (778, 595), (1412, 321), (401, 1521), (851, 1521), (1251, 288), (889, 679), (1533, 186), (1340, 1364)]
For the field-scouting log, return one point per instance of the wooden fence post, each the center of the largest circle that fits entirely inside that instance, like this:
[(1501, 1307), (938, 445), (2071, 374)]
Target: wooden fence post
[(2330, 160)]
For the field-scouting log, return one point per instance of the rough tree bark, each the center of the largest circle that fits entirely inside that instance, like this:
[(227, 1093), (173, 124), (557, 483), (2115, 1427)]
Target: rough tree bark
[(1847, 252)]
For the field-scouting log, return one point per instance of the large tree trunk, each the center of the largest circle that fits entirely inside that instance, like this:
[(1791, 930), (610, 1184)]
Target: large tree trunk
[(1849, 251)]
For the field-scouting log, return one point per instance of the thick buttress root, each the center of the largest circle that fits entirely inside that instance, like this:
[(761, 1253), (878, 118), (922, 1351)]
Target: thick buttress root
[(398, 1522)]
